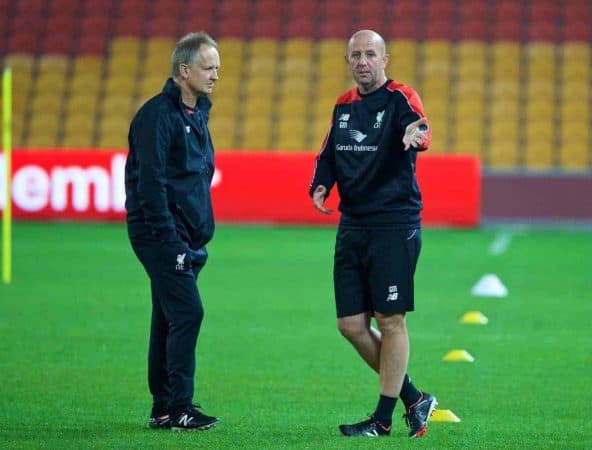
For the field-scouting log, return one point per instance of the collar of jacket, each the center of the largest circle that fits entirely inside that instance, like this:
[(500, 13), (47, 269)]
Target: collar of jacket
[(172, 90)]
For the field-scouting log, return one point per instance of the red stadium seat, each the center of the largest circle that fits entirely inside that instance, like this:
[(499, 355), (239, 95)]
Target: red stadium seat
[(127, 8), (438, 28), (200, 22), (164, 25), (232, 26), (96, 8), (267, 26), (92, 44), (335, 27), (23, 42), (404, 29), (230, 8), (543, 31), (577, 31), (269, 8), (95, 26), (68, 7), (304, 8), (476, 28), (300, 26), (506, 30), (128, 26), (58, 43)]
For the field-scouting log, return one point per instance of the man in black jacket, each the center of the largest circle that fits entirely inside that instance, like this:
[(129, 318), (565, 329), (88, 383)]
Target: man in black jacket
[(168, 173), (370, 154)]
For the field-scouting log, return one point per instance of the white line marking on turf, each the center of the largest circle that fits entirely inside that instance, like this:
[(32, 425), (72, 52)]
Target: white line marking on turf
[(500, 244)]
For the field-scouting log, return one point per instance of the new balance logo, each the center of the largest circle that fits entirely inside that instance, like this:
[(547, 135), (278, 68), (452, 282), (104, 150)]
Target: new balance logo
[(344, 117), (357, 136), (180, 262), (184, 420), (371, 433), (393, 294)]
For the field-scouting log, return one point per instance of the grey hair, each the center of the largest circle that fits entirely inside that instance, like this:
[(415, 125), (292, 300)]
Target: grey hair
[(187, 50)]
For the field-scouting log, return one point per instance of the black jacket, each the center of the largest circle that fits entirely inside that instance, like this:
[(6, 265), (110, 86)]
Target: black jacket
[(363, 154), (169, 170)]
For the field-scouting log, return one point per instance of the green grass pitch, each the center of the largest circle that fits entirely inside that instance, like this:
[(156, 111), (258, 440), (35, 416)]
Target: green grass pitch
[(74, 326)]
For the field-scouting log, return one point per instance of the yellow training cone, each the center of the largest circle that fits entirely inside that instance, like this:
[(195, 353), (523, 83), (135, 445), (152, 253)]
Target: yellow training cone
[(444, 415), (458, 355), (474, 318)]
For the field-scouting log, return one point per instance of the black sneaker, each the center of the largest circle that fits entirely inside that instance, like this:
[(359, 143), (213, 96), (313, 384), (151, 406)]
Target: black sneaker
[(368, 428), (192, 419), (159, 422), (418, 414)]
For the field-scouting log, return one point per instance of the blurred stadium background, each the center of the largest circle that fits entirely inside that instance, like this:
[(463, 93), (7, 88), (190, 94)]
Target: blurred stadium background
[(506, 80)]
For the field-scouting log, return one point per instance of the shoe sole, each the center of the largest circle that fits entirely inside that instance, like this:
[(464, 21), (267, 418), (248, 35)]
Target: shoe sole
[(202, 428), (423, 431)]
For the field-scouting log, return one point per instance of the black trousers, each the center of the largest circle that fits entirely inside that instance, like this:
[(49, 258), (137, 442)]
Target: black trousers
[(177, 314)]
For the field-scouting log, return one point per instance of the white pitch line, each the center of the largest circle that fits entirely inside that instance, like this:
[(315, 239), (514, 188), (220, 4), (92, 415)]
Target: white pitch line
[(500, 244)]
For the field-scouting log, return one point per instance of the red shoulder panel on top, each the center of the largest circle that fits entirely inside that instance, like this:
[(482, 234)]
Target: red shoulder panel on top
[(410, 95), (348, 97)]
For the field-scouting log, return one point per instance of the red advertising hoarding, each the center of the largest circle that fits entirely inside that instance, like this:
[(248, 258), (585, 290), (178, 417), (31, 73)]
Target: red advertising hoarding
[(256, 187)]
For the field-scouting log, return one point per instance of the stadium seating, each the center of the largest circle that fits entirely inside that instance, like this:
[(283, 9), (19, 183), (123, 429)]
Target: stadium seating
[(498, 78)]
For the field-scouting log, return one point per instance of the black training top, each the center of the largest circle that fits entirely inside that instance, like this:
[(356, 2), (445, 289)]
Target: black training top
[(169, 169), (363, 153)]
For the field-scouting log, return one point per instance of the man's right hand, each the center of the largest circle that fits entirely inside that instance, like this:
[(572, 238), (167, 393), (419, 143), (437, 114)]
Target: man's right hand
[(318, 199)]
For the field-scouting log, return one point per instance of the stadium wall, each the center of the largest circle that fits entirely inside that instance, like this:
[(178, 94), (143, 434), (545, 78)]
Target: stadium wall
[(248, 187)]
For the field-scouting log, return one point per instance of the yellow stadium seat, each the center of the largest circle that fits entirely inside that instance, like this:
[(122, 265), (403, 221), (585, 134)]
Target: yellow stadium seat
[(114, 141), (574, 90), (256, 133), (223, 132), (291, 134), (295, 68), (43, 130), (468, 136), (297, 48), (263, 47), (124, 46), (294, 87), (469, 109), (87, 64), (48, 103), (85, 82), (121, 85), (505, 60), (226, 107), (113, 133), (257, 105), (159, 47), (293, 107), (80, 140), (76, 124), (576, 111), (231, 48), (503, 130), (53, 82), (331, 48), (504, 90), (55, 64), (86, 104), (116, 106), (538, 154), (503, 155), (121, 66), (541, 109), (575, 151), (504, 109), (19, 62)]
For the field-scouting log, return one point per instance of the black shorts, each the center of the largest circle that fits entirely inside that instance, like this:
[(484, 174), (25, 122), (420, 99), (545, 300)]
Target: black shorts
[(374, 269)]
